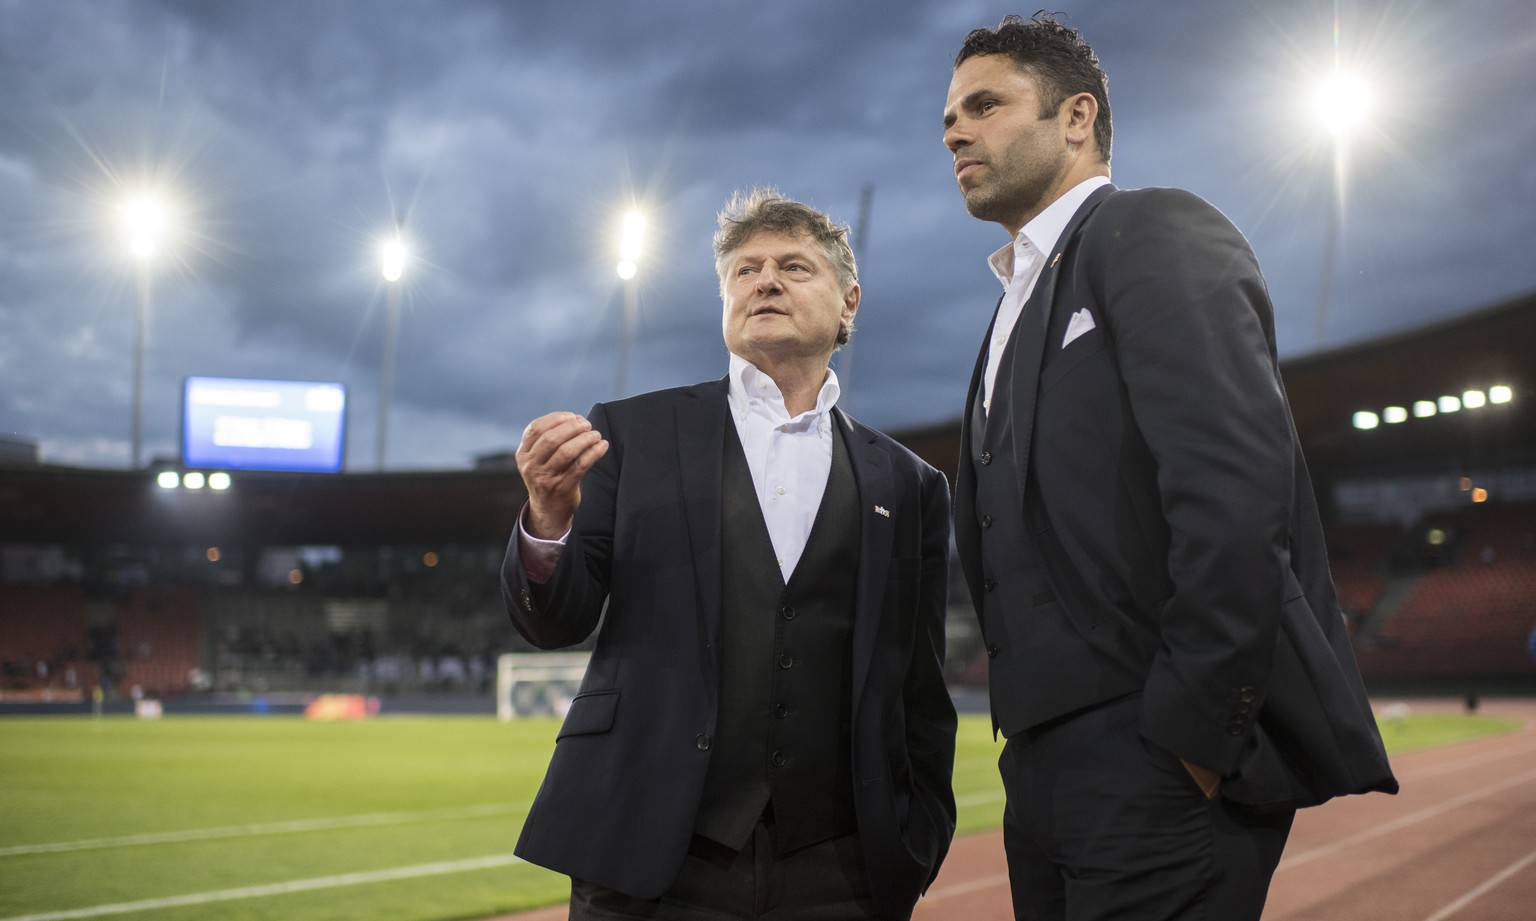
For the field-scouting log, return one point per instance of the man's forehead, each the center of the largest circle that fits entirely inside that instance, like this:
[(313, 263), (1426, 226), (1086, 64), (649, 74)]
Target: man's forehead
[(776, 243)]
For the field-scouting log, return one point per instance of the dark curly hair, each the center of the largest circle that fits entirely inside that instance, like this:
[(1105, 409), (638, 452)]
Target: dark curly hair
[(1056, 57)]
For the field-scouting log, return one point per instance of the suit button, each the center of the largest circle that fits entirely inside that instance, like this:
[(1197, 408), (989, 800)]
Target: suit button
[(986, 458), (1242, 708), (991, 652), (986, 521), (1245, 695), (780, 711), (787, 612), (786, 660), (778, 759), (989, 584), (702, 741), (1234, 728)]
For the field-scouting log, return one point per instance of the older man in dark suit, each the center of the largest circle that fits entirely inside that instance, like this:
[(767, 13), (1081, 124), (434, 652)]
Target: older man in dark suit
[(1135, 521), (763, 730)]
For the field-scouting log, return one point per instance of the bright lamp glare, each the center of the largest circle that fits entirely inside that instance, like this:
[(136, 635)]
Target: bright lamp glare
[(1392, 415), (193, 480), (1423, 409), (627, 270), (146, 221), (1366, 420), (632, 237), (1449, 404), (1343, 101), (1500, 394), (1474, 399), (168, 479), (219, 481), (394, 256)]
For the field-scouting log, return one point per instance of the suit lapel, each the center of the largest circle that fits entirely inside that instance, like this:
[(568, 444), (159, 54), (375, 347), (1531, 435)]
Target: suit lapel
[(702, 417), (875, 480), (1029, 339)]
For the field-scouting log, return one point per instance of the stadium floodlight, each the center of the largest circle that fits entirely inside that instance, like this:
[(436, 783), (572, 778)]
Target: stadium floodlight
[(1392, 415), (1342, 101), (1500, 394), (1474, 399), (147, 222), (1365, 419), (218, 481), (1479, 495), (193, 480), (393, 258), (393, 255), (168, 479), (631, 244), (1423, 409), (1448, 404)]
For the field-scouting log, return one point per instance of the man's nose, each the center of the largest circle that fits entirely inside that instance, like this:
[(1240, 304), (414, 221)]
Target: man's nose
[(768, 279), (955, 138)]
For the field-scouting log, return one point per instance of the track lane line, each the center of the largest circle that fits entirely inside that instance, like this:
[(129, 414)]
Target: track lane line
[(1409, 819), (1484, 888)]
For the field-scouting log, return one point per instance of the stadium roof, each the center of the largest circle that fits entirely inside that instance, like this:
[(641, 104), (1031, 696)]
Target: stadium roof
[(51, 504)]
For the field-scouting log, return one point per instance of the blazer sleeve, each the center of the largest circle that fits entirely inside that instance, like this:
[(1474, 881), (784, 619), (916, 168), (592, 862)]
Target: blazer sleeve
[(1193, 332), (565, 610)]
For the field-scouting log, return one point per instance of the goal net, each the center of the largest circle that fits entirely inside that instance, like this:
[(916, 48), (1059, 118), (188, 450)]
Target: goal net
[(538, 684)]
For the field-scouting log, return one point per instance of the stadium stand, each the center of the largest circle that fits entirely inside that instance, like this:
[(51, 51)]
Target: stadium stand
[(44, 644)]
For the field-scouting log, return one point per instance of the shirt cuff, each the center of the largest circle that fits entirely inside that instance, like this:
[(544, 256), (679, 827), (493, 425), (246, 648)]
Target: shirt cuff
[(540, 557)]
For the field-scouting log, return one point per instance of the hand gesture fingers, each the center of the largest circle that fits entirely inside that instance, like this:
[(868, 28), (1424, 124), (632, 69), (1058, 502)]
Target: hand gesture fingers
[(556, 451)]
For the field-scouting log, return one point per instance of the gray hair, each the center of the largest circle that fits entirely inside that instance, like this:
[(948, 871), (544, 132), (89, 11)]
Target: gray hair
[(765, 209)]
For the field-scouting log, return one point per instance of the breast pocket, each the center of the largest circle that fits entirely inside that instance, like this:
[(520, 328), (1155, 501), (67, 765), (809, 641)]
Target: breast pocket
[(1066, 360)]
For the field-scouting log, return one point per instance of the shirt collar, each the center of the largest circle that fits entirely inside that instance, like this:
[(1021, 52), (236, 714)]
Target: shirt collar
[(1044, 231), (751, 388)]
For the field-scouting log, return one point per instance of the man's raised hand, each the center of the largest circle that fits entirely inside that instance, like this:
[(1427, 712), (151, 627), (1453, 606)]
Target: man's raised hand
[(556, 451)]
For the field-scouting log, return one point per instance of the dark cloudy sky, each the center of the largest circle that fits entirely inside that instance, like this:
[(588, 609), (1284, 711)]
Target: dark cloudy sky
[(509, 136)]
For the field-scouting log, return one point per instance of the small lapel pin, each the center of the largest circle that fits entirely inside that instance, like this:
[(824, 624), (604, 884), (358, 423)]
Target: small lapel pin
[(880, 510), (1055, 259)]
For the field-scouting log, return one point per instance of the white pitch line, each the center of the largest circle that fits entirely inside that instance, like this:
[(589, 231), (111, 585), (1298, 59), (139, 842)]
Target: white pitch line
[(298, 885), (270, 828), (1483, 889), (1409, 819), (977, 799)]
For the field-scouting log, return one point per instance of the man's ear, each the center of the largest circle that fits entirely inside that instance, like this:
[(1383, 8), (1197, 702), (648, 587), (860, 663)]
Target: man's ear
[(1078, 114), (851, 301)]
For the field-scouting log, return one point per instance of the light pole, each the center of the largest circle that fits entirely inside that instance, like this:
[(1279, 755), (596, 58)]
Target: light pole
[(146, 222), (1341, 102), (393, 259), (631, 238)]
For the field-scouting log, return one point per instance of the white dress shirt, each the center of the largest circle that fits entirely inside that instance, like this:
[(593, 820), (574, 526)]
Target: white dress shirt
[(790, 459), (1018, 266)]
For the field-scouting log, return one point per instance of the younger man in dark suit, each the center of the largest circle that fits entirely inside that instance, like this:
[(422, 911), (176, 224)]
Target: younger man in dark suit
[(1135, 521), (763, 730)]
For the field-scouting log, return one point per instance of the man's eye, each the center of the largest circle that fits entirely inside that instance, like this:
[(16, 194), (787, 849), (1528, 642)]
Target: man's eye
[(987, 106), (744, 270)]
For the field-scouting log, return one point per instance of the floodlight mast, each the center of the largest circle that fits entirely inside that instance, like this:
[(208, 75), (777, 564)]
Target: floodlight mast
[(146, 222), (631, 245), (393, 257)]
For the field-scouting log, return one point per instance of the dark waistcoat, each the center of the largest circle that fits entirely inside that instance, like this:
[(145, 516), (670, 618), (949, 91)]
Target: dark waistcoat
[(783, 732), (1040, 666)]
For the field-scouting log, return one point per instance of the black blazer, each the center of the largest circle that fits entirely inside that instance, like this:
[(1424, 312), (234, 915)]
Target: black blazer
[(1172, 505), (618, 804)]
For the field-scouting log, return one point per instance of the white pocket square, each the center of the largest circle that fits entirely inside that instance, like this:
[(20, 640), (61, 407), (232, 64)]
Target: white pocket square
[(1081, 322)]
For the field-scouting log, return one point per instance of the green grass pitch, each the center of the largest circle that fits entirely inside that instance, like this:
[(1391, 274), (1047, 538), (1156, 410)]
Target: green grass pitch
[(392, 819)]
